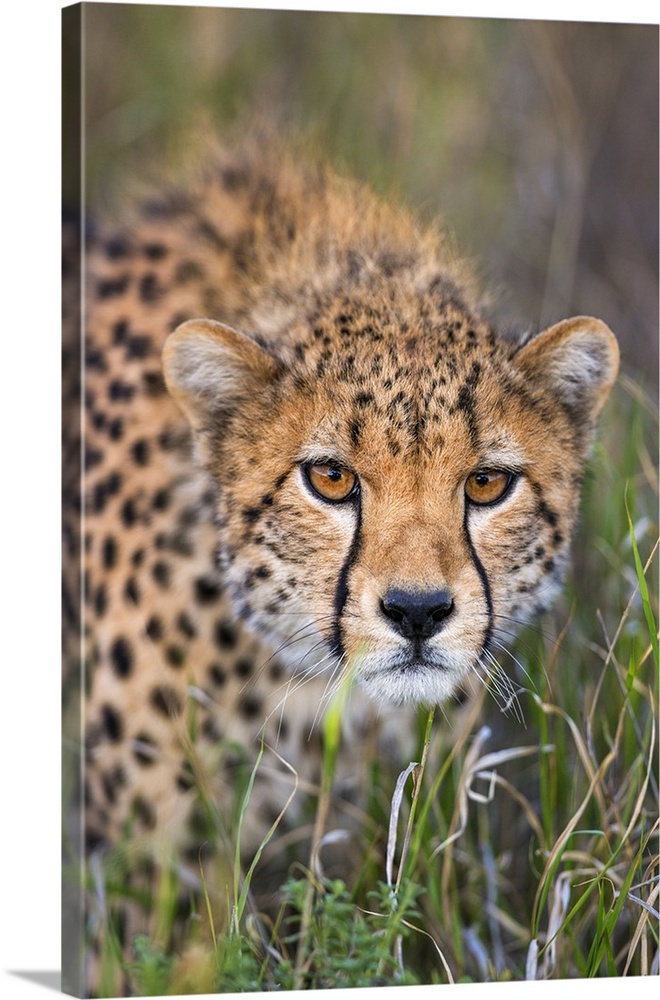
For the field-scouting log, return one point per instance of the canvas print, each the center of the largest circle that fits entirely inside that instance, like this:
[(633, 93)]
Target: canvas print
[(359, 499)]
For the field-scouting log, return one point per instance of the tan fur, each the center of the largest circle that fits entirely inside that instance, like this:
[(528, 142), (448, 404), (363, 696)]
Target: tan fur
[(312, 324)]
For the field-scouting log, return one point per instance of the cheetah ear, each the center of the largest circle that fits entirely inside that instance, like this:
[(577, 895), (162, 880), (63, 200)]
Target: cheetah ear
[(210, 368), (577, 359)]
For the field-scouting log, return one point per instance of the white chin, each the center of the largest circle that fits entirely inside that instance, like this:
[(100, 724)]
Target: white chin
[(416, 684)]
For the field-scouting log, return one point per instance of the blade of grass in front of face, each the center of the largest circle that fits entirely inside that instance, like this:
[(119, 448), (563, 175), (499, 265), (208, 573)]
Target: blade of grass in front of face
[(643, 590)]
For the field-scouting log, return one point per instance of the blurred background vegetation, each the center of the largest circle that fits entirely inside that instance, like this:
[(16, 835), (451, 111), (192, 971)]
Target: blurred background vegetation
[(536, 142)]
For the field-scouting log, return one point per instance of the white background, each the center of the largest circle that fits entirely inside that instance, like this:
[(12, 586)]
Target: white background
[(29, 482)]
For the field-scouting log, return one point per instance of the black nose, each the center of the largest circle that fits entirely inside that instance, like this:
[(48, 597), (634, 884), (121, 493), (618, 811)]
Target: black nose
[(417, 614)]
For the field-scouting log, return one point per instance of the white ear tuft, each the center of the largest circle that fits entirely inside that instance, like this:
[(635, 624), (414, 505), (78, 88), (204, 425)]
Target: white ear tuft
[(209, 368), (578, 359)]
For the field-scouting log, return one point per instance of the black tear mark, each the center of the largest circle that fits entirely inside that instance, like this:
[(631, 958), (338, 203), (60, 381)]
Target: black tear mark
[(483, 576), (342, 590)]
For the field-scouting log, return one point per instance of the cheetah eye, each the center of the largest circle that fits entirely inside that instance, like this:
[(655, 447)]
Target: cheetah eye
[(486, 486), (332, 483)]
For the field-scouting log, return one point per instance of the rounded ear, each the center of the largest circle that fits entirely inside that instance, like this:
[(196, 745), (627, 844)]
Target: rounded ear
[(209, 368), (578, 360)]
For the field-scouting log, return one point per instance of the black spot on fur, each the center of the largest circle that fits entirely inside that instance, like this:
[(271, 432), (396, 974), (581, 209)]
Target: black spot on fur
[(118, 776), (112, 723), (111, 287), (120, 332), (166, 700), (211, 730), (185, 778), (109, 553), (120, 392), (121, 655), (137, 347), (109, 788), (276, 671), (116, 429), (144, 812), (217, 675), (100, 600), (186, 626), (149, 290), (155, 628), (140, 451), (117, 247), (243, 667), (132, 591), (128, 512), (225, 635), (161, 500), (465, 405), (93, 457), (162, 573), (175, 656), (104, 490), (154, 384), (155, 251), (207, 590), (251, 706)]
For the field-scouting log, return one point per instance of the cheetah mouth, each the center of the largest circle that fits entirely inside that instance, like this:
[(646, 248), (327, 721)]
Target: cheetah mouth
[(418, 664), (405, 664), (412, 677)]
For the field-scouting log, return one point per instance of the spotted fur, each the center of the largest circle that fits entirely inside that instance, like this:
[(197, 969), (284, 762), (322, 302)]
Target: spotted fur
[(263, 320)]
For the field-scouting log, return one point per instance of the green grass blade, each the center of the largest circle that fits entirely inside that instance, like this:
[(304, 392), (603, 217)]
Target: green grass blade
[(643, 590)]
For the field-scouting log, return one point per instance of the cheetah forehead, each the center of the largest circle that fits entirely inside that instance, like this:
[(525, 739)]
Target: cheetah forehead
[(407, 387)]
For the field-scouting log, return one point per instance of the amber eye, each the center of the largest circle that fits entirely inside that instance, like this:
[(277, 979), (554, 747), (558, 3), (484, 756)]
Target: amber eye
[(487, 485), (331, 482)]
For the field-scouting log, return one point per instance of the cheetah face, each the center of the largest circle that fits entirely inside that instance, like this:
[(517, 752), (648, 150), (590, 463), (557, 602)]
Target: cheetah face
[(397, 507)]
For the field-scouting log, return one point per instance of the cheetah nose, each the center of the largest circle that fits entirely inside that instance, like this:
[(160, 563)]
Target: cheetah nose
[(417, 614)]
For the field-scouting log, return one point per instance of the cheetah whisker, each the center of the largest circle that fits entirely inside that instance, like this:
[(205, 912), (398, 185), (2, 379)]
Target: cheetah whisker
[(295, 682), (505, 649), (499, 685)]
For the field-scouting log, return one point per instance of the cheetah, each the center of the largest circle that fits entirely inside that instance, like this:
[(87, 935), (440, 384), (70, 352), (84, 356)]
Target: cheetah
[(309, 459)]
